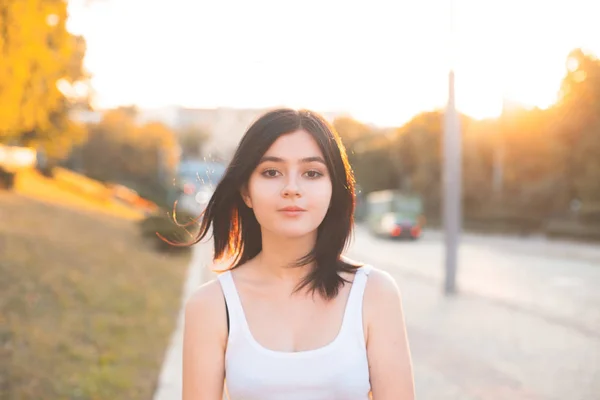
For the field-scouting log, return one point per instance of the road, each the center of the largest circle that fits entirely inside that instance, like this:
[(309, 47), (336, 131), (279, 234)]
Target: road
[(526, 324), (554, 279)]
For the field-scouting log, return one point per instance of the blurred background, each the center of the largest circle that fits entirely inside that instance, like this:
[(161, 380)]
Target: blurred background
[(119, 116)]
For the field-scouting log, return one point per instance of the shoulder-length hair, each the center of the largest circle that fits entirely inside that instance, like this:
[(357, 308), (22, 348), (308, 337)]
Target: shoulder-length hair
[(236, 232)]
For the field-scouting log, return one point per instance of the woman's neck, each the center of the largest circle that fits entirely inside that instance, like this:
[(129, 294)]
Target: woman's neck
[(279, 254)]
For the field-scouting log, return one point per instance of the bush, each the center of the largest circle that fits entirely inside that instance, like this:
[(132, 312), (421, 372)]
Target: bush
[(564, 228), (163, 224)]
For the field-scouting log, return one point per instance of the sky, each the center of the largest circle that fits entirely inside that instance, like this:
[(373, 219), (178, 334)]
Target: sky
[(381, 61)]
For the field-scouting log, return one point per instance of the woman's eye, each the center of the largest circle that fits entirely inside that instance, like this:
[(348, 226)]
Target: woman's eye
[(270, 173), (313, 174)]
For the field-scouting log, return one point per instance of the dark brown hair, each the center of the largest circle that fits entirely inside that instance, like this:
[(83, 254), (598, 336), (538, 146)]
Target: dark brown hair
[(236, 232)]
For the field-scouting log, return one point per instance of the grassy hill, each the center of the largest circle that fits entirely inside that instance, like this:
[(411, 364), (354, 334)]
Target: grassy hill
[(87, 307)]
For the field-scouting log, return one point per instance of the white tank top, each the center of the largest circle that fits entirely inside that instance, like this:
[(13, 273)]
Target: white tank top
[(338, 370)]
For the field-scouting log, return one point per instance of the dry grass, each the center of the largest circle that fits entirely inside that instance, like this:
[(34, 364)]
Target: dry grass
[(87, 308), (62, 190)]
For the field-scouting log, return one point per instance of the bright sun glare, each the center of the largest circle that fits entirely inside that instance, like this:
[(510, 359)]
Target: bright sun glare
[(383, 63)]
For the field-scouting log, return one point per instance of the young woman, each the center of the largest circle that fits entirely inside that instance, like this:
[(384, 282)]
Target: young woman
[(292, 318)]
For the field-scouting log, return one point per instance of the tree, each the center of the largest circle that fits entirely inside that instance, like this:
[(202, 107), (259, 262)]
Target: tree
[(418, 148), (479, 151), (141, 157), (577, 122), (374, 168), (351, 132), (192, 141), (368, 153), (40, 59)]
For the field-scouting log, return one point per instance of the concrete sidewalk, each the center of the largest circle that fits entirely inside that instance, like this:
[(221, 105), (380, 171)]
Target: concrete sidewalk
[(169, 385), (468, 348)]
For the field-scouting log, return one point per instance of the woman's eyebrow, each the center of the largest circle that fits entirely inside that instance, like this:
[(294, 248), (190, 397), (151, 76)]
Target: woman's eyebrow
[(303, 160)]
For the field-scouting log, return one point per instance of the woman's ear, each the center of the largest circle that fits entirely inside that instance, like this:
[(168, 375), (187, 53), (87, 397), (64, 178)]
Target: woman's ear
[(246, 196)]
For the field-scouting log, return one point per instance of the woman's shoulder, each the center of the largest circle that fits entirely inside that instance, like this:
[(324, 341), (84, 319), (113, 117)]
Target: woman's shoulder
[(379, 279), (381, 285), (205, 327), (381, 290), (206, 303)]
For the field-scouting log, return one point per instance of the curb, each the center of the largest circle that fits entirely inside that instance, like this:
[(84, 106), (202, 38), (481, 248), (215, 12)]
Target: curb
[(169, 386)]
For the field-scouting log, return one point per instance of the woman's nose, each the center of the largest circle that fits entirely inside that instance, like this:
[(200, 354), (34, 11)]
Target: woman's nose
[(291, 188)]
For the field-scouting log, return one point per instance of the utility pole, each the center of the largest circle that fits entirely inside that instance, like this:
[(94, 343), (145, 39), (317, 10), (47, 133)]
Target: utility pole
[(452, 212), (498, 169), (452, 188)]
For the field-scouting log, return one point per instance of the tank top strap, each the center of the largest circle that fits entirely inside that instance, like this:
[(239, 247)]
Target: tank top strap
[(358, 285), (353, 318), (232, 299)]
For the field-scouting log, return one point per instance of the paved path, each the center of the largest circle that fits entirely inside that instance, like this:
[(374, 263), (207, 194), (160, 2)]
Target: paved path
[(469, 348), (169, 385)]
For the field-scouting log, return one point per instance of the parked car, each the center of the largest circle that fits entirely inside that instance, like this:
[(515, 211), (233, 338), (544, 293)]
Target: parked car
[(194, 184), (395, 215)]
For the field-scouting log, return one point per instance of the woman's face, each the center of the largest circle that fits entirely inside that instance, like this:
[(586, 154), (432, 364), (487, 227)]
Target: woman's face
[(290, 189)]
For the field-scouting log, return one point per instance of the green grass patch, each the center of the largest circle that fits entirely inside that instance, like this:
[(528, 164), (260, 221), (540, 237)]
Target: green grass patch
[(87, 306)]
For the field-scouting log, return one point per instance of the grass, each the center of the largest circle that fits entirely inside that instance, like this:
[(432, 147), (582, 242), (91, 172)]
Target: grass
[(87, 307), (62, 191)]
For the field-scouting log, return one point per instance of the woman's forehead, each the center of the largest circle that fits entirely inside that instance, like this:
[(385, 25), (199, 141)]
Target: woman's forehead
[(297, 145)]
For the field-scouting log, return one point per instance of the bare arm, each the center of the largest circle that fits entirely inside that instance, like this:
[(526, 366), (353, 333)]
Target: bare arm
[(390, 364), (204, 341)]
